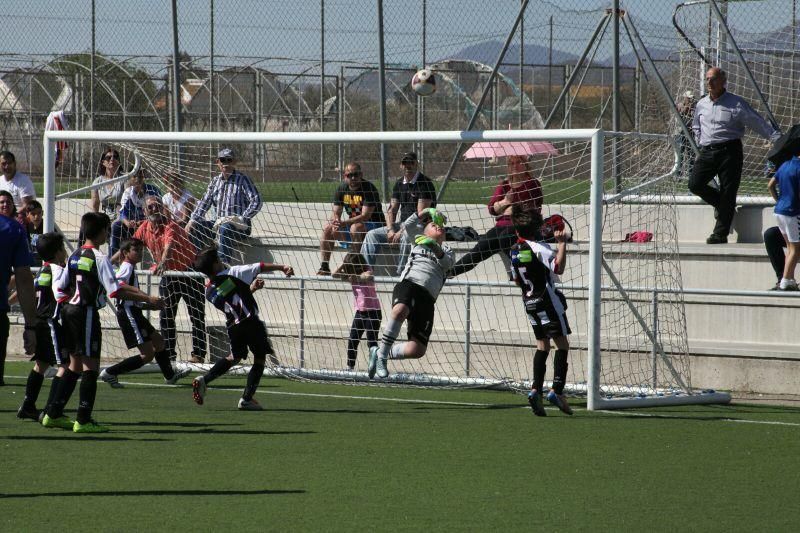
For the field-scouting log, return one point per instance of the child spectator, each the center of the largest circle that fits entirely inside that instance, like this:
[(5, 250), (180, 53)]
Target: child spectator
[(230, 289), (534, 268), (87, 280), (136, 329), (367, 318), (49, 334), (32, 219), (415, 295), (132, 214), (784, 187)]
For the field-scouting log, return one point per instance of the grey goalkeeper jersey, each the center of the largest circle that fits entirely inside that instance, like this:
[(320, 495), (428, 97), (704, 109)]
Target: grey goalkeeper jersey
[(427, 270)]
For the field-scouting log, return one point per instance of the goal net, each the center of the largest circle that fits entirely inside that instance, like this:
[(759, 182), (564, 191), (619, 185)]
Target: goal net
[(761, 63), (622, 282)]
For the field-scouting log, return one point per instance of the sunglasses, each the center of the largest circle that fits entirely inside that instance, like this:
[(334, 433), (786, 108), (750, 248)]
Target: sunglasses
[(111, 158), (225, 160), (352, 174)]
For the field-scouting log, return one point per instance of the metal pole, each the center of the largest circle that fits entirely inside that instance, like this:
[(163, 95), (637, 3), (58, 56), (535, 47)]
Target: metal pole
[(521, 68), (743, 63), (322, 86), (565, 89), (467, 327), (92, 67), (302, 334), (176, 69), (382, 96), (486, 89), (49, 171), (595, 272), (211, 93), (615, 98), (420, 100), (550, 68), (655, 351)]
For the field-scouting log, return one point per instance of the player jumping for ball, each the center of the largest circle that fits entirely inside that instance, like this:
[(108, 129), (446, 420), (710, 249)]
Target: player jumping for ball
[(535, 269), (415, 296)]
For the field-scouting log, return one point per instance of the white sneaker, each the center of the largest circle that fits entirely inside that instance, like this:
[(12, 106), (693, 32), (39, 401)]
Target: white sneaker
[(198, 390), (251, 405), (380, 369), (111, 379), (179, 373)]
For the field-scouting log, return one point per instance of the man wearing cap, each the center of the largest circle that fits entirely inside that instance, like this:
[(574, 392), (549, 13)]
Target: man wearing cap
[(412, 193), (719, 121), (236, 200)]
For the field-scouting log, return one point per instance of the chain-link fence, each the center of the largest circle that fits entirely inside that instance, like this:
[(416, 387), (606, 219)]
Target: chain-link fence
[(248, 65)]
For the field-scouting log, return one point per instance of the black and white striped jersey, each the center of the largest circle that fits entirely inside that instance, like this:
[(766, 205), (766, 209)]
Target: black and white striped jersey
[(229, 291), (88, 278)]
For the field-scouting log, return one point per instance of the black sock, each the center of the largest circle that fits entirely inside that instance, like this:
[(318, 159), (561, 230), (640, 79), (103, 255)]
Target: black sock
[(539, 369), (53, 387), (165, 364), (66, 386), (560, 370), (32, 388), (130, 364), (88, 392), (219, 368), (324, 265), (253, 379)]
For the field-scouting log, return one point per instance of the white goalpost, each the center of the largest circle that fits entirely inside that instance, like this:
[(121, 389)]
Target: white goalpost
[(628, 343)]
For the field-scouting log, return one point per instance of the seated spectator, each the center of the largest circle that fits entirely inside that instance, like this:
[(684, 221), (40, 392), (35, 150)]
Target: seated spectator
[(178, 199), (361, 201), (32, 219), (18, 184), (412, 193), (132, 213), (518, 188), (236, 200)]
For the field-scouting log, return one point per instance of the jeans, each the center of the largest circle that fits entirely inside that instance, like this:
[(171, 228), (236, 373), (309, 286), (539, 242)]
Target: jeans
[(229, 240), (376, 238), (172, 289), (202, 234)]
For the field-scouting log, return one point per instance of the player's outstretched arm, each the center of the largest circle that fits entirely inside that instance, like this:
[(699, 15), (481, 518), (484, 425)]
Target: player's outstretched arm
[(256, 285), (129, 292), (561, 251), (273, 267)]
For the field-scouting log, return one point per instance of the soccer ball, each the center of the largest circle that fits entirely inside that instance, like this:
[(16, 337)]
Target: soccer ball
[(424, 82)]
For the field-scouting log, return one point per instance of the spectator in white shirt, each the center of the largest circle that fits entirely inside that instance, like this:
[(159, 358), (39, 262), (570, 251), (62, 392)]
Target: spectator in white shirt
[(178, 199), (18, 184)]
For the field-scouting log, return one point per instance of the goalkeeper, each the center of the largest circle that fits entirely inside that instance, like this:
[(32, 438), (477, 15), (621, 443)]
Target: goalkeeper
[(535, 269), (415, 295)]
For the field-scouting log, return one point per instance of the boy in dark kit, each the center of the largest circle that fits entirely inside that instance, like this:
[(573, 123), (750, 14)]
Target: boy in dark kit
[(88, 279), (535, 269), (136, 329), (49, 333), (230, 289)]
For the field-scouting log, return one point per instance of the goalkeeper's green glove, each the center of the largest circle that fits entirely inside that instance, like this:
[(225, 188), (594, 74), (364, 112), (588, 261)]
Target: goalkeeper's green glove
[(424, 240)]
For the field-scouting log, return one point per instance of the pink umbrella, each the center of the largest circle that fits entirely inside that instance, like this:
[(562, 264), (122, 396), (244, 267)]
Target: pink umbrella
[(490, 149)]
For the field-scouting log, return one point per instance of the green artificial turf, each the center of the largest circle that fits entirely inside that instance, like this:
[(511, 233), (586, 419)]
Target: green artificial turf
[(353, 458)]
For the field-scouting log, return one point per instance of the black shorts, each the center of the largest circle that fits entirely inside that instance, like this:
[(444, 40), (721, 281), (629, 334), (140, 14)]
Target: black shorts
[(548, 317), (50, 343), (136, 329), (82, 333), (250, 333), (421, 309)]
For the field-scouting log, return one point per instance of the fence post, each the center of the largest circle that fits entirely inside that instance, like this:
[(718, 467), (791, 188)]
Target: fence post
[(654, 350), (302, 322), (149, 286), (467, 327)]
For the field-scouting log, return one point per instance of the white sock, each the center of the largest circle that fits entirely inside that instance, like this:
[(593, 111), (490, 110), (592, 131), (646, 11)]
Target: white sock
[(398, 351), (390, 331)]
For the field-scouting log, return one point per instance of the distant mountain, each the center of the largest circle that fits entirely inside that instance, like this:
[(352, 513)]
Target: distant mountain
[(487, 52)]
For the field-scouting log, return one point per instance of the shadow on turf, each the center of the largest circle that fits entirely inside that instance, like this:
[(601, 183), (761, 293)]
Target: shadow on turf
[(152, 493), (210, 430), (68, 435)]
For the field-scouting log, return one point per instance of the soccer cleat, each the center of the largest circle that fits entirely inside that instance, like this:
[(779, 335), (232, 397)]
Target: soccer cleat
[(180, 373), (560, 401), (28, 412), (42, 414), (535, 401), (111, 379), (380, 368), (372, 366), (62, 422), (89, 427), (251, 405), (198, 390)]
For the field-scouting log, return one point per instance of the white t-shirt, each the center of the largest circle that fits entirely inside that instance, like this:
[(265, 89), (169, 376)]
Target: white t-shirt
[(20, 186), (176, 206)]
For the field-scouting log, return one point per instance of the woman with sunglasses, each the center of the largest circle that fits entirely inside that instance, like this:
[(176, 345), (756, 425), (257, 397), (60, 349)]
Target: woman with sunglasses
[(106, 197)]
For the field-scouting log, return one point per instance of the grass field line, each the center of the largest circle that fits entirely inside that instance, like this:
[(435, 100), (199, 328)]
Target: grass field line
[(733, 420)]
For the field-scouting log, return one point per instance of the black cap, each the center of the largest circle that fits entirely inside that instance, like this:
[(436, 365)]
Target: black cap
[(409, 157)]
